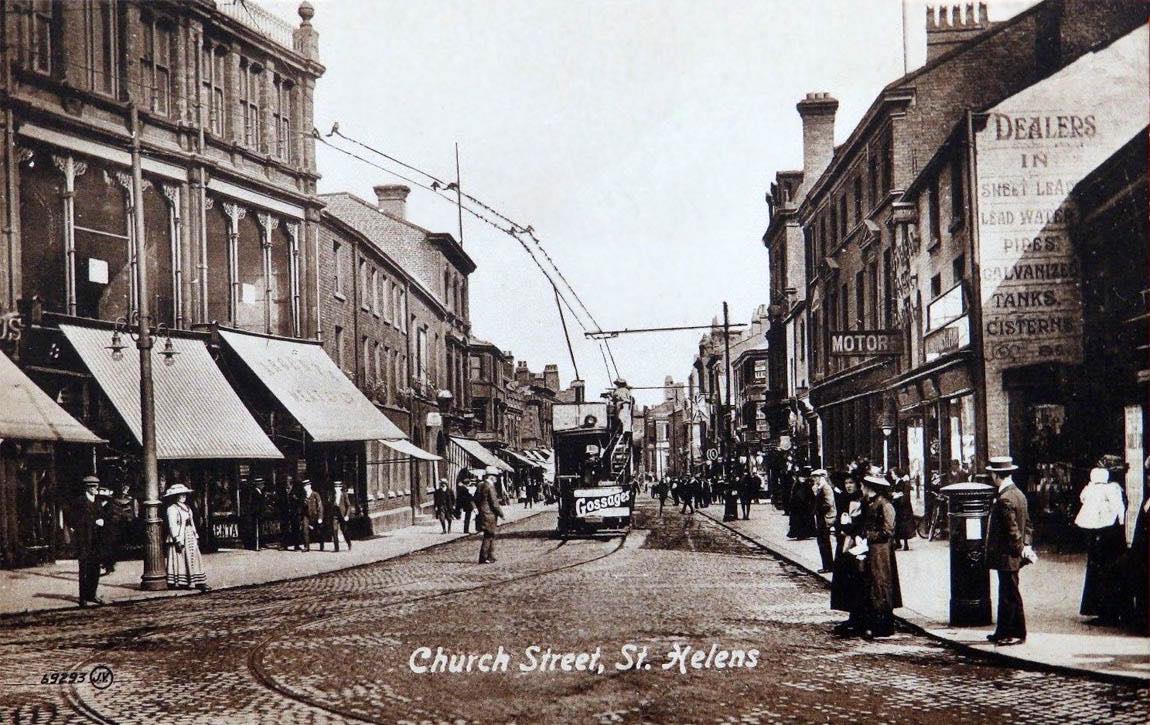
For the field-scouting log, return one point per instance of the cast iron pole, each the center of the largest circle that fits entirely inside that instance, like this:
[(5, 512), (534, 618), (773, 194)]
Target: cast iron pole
[(155, 576), (728, 434)]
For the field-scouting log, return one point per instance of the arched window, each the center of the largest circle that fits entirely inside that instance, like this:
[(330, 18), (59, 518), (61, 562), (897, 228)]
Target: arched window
[(43, 259), (103, 273)]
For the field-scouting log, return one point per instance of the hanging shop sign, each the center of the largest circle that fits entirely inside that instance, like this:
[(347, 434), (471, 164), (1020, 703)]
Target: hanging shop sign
[(866, 343)]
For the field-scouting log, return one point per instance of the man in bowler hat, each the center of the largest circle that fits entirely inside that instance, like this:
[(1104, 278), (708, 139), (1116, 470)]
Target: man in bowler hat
[(311, 515), (340, 514), (1007, 546), (86, 517), (487, 512)]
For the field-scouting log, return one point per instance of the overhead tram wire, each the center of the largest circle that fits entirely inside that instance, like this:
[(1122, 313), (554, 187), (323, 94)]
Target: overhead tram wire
[(559, 295), (515, 227)]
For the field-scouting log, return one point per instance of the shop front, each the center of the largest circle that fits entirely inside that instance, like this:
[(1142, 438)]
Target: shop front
[(205, 437), (850, 410), (35, 433), (317, 418)]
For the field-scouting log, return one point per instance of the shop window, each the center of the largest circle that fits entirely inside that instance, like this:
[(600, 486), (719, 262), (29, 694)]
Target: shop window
[(213, 61), (103, 273), (43, 258), (156, 64), (218, 266), (158, 255), (281, 265), (251, 282)]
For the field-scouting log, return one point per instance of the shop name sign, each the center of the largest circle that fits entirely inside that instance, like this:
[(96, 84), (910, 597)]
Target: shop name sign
[(1036, 148), (11, 327), (866, 343)]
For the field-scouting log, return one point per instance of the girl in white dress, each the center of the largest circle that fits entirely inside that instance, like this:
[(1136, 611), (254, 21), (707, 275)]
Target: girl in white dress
[(185, 565)]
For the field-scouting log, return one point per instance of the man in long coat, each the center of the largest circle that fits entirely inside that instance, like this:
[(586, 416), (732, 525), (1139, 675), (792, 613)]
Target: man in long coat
[(487, 512), (311, 515), (1007, 543), (340, 515), (86, 517), (825, 515)]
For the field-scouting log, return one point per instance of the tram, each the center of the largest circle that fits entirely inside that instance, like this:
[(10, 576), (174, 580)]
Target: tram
[(594, 466)]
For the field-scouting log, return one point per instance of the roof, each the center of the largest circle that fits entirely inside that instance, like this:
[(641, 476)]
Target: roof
[(198, 414), (302, 377), (28, 413)]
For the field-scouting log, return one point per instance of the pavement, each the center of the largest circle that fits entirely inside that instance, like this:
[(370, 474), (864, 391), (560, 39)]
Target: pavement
[(686, 622), (1058, 636), (56, 585)]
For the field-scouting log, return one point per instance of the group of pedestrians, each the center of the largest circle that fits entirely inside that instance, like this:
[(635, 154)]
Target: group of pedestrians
[(694, 492)]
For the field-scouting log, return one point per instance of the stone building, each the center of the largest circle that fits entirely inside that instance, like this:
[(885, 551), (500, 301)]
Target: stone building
[(540, 390), (217, 98)]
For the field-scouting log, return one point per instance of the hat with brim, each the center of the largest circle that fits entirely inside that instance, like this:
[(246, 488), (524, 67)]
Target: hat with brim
[(176, 490), (105, 492), (876, 480), (91, 481), (1001, 464), (491, 471), (819, 472)]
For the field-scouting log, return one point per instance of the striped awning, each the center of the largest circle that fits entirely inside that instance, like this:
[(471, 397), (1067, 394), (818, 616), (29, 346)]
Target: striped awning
[(481, 454), (198, 415), (410, 449), (314, 390), (28, 413), (522, 457)]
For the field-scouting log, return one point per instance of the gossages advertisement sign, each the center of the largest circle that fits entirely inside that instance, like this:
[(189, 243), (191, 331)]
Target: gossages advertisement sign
[(1035, 148)]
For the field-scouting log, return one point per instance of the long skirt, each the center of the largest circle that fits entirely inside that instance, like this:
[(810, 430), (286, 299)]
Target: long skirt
[(185, 566), (847, 583), (1100, 591), (883, 591)]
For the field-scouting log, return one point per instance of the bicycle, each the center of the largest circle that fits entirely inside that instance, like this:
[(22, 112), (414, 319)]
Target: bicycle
[(937, 523)]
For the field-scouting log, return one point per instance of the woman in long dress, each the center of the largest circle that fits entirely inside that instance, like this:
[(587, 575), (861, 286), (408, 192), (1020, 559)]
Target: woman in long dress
[(185, 565), (846, 580), (881, 591), (1102, 516), (904, 527)]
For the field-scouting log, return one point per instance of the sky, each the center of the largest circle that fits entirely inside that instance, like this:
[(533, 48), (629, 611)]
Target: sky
[(637, 137)]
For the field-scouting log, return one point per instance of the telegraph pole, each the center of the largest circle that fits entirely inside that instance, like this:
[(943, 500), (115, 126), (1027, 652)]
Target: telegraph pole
[(727, 433)]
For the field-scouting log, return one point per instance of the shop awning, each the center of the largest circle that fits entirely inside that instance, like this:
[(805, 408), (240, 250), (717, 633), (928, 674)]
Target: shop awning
[(410, 449), (521, 457), (27, 413), (315, 392), (198, 415), (484, 456)]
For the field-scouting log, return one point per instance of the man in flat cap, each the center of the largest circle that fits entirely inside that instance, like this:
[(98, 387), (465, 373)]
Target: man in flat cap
[(487, 512), (86, 517)]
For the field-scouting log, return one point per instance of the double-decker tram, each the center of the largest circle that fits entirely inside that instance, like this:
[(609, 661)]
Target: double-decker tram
[(593, 465)]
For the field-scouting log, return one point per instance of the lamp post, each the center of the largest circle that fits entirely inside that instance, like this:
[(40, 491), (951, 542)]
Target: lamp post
[(886, 424)]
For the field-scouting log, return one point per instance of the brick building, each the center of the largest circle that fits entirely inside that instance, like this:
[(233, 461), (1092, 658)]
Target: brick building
[(851, 214), (394, 298), (539, 390)]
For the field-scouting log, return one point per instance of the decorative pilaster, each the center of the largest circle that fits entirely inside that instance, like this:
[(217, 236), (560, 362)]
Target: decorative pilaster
[(71, 169)]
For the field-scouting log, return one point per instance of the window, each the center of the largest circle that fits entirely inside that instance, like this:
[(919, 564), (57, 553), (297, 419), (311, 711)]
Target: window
[(282, 119), (421, 355), (375, 292), (822, 240), (858, 199), (872, 289), (156, 64), (935, 286), (933, 212), (251, 283), (366, 344), (363, 285), (338, 342), (834, 227), (281, 285), (212, 74), (860, 301), (808, 247), (872, 176), (475, 366), (888, 300), (100, 42), (887, 165), (956, 196), (43, 48), (843, 216), (102, 268), (958, 268), (380, 375), (251, 80), (337, 258), (802, 341)]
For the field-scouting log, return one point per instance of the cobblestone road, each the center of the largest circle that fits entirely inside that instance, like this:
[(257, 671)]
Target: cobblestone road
[(336, 648)]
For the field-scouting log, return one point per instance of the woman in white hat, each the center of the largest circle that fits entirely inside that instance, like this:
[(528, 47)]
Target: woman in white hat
[(185, 565), (1102, 516), (881, 591)]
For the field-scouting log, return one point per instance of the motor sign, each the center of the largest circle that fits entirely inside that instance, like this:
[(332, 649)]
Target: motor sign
[(866, 343)]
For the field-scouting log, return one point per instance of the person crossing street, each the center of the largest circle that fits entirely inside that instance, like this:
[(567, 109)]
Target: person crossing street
[(487, 513)]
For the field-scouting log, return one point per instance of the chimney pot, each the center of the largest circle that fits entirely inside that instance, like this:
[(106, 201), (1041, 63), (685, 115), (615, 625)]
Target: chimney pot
[(392, 199)]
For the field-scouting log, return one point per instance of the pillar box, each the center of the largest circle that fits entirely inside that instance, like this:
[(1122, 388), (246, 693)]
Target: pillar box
[(969, 511)]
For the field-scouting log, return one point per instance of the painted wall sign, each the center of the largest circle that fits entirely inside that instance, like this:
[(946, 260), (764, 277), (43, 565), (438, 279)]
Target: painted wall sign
[(866, 343), (1034, 149)]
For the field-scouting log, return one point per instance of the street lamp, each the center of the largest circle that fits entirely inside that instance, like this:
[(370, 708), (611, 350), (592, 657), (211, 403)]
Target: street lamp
[(886, 424)]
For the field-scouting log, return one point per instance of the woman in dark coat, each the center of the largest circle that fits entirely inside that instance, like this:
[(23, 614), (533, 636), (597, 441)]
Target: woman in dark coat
[(847, 579), (802, 508), (881, 591), (904, 529)]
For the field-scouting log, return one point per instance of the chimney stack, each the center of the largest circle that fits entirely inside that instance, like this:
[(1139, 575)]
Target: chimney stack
[(392, 199), (947, 28), (551, 377), (818, 113), (522, 373), (580, 393)]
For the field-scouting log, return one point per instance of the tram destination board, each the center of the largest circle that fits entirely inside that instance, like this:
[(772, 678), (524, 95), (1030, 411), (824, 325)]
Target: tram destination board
[(866, 343)]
